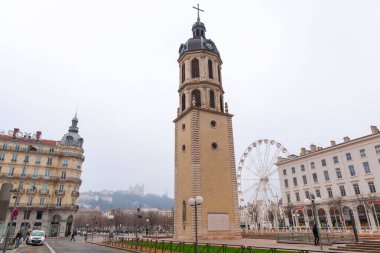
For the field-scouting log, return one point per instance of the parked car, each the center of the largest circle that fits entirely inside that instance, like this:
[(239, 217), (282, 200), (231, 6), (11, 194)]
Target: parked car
[(36, 237)]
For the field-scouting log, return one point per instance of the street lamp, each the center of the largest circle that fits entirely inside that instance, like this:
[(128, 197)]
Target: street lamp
[(195, 202), (147, 226), (314, 201), (110, 218)]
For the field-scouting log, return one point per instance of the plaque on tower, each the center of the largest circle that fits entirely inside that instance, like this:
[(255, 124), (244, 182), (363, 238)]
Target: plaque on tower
[(218, 222)]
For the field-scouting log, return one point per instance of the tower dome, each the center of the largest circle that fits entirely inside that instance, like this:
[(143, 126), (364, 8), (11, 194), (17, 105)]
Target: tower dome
[(198, 41), (72, 138)]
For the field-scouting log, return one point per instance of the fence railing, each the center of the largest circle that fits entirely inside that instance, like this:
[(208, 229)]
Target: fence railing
[(327, 237), (164, 246)]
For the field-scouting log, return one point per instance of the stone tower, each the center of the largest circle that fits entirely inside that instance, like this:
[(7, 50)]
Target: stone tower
[(204, 147)]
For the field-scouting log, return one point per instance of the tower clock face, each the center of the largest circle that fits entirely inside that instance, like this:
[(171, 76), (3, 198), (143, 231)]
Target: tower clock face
[(209, 45)]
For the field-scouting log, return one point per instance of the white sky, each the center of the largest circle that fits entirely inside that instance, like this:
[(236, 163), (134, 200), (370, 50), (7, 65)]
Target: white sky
[(299, 72)]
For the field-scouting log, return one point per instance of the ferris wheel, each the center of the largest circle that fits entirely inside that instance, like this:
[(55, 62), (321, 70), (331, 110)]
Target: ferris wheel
[(257, 176)]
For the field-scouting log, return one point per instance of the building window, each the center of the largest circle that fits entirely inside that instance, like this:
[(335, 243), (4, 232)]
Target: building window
[(195, 68), (61, 187), (26, 159), (210, 70), (213, 123), (342, 190), (318, 193), (47, 173), (183, 102), (40, 149), (329, 192), (221, 104), (38, 159), (27, 214), (377, 148), (295, 181), (312, 165), (14, 158), (304, 179), (183, 148), (2, 156), (30, 201), (372, 188), (327, 177), (45, 186), (315, 178), (362, 153), (39, 215), (49, 160), (59, 201), (35, 173), (323, 161), (63, 175), (307, 194), (338, 173), (348, 156), (65, 163), (284, 172), (302, 167), (183, 72), (51, 150), (5, 146), (184, 211), (212, 99), (335, 158), (288, 197), (10, 172), (298, 197), (219, 75), (17, 147), (352, 170), (20, 185), (196, 94), (293, 170), (356, 188), (42, 201), (367, 169), (214, 146), (23, 172), (286, 183)]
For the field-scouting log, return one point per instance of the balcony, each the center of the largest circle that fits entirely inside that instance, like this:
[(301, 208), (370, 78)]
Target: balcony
[(75, 193), (31, 191), (44, 192), (75, 207), (60, 193), (19, 191)]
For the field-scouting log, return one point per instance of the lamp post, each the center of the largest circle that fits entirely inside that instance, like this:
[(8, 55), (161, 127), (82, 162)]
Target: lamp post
[(110, 218), (195, 202), (314, 201), (147, 226)]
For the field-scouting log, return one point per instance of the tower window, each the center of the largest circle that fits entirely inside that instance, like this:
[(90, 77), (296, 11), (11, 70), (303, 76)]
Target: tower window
[(195, 68), (210, 73), (183, 127), (219, 76), (212, 99), (214, 146), (213, 123), (183, 102), (221, 104), (183, 72), (183, 148), (183, 211), (197, 95), (197, 32)]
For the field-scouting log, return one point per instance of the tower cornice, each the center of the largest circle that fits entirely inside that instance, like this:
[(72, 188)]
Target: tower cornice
[(202, 53), (200, 83), (188, 110)]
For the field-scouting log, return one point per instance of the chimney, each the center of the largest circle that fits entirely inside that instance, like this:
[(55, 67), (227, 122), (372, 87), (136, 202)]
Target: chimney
[(303, 151), (38, 135), (15, 131), (346, 139), (333, 143), (313, 148), (374, 130)]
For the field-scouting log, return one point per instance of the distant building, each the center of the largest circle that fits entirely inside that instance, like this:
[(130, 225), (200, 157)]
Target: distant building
[(46, 178), (346, 176)]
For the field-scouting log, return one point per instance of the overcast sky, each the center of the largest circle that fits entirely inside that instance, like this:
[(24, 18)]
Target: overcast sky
[(299, 72)]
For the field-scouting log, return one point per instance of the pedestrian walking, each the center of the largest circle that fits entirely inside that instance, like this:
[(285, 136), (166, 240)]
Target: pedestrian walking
[(72, 236), (18, 239), (316, 235)]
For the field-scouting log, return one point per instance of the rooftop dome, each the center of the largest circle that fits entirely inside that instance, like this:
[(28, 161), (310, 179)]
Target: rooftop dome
[(198, 41), (72, 138)]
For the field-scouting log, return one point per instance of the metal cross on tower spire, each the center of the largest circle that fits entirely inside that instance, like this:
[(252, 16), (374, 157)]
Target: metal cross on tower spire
[(197, 8)]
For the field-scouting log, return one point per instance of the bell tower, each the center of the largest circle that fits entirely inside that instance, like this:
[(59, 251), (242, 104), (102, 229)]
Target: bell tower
[(204, 146)]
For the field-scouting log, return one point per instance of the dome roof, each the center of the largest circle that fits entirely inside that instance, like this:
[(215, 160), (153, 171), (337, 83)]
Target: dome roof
[(72, 138), (199, 41)]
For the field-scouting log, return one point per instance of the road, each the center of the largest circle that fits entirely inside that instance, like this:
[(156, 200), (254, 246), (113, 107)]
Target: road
[(63, 245)]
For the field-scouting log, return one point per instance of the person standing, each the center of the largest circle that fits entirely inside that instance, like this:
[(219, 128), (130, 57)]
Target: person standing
[(18, 239), (316, 234), (72, 236)]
